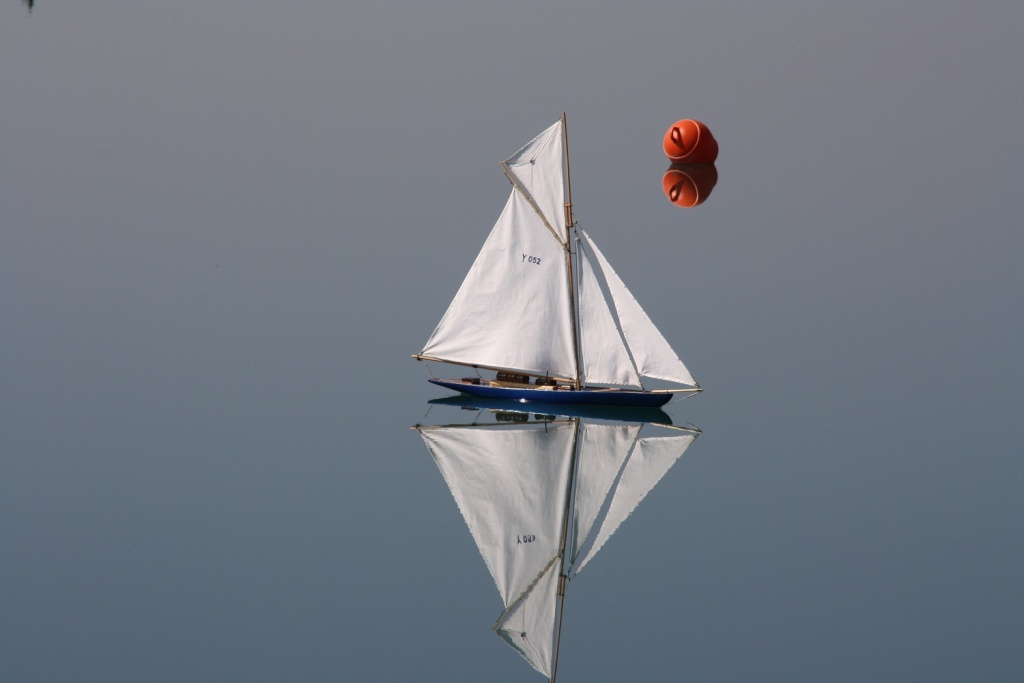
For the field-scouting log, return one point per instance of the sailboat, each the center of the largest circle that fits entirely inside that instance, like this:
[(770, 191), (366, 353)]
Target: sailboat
[(541, 497), (534, 308)]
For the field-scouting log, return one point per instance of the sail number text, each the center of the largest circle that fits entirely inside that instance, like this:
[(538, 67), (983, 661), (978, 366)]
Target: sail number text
[(525, 538), (531, 259)]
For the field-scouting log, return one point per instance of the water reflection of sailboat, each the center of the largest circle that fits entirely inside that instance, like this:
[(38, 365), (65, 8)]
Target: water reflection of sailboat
[(541, 495)]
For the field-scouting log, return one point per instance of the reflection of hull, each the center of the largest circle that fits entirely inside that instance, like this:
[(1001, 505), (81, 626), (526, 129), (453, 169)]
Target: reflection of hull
[(597, 412), (585, 396)]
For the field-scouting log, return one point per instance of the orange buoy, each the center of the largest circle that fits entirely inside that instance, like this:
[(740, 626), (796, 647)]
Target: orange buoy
[(688, 185), (690, 142)]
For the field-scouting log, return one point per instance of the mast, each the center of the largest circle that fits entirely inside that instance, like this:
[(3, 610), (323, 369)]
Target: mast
[(573, 294)]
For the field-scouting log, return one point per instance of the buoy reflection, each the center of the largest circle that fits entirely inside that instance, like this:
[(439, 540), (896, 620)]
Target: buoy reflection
[(689, 185)]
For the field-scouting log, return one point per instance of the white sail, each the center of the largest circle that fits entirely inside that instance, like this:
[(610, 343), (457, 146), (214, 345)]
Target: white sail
[(605, 358), (512, 310), (510, 483), (530, 625), (651, 352), (603, 450), (538, 169), (648, 463)]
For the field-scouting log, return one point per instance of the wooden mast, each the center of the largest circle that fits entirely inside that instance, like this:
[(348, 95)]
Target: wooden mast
[(569, 222)]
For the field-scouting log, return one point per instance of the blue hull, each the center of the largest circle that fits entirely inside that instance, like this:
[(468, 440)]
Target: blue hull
[(610, 413), (594, 397)]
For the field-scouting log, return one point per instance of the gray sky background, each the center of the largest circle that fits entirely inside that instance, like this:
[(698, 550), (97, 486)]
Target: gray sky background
[(225, 227)]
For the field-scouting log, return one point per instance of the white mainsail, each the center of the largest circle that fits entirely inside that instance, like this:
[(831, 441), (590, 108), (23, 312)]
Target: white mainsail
[(652, 354), (512, 311)]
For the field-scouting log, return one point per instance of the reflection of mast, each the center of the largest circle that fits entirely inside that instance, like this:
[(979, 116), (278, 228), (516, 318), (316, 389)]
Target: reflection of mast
[(541, 496), (563, 577)]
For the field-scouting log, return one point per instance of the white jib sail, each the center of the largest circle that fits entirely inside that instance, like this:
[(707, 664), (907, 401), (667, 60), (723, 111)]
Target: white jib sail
[(539, 169), (605, 358), (653, 355), (652, 458), (512, 310), (510, 484)]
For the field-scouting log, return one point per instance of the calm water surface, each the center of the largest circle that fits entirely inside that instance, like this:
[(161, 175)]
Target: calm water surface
[(224, 231)]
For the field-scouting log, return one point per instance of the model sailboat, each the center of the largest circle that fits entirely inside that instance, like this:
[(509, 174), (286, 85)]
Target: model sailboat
[(540, 500), (533, 308)]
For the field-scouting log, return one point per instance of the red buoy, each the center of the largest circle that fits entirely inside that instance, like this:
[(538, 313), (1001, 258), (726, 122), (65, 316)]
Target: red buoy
[(688, 185), (690, 142)]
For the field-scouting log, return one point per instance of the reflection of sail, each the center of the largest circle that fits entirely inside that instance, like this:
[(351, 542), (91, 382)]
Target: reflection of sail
[(651, 459), (541, 497), (509, 484), (530, 626), (606, 447)]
